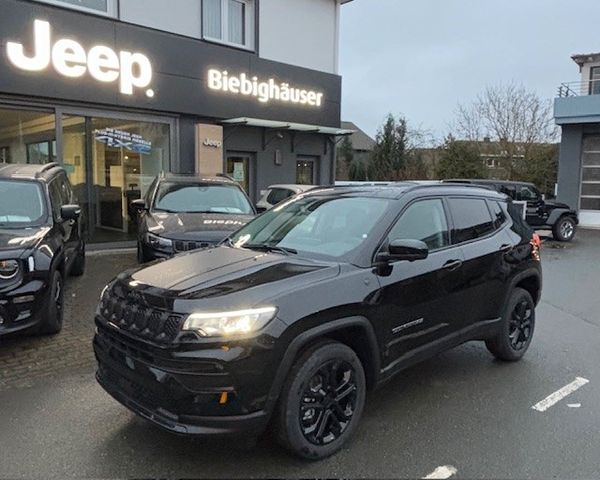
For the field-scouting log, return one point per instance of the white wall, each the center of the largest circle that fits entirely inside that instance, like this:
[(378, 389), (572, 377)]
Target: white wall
[(176, 16), (300, 32)]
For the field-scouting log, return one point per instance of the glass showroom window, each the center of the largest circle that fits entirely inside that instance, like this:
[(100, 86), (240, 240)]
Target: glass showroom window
[(102, 7), (229, 21)]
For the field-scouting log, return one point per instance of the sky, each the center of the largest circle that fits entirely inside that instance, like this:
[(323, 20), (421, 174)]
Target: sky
[(421, 58)]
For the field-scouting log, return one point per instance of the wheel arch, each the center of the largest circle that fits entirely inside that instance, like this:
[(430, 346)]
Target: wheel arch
[(355, 332), (531, 281)]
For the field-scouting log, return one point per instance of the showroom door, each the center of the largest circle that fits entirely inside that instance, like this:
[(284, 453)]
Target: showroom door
[(240, 167)]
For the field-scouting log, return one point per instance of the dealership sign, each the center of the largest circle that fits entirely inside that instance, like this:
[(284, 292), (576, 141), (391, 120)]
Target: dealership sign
[(264, 91), (132, 70)]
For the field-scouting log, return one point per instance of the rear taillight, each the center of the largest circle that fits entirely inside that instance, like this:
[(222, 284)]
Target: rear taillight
[(536, 243)]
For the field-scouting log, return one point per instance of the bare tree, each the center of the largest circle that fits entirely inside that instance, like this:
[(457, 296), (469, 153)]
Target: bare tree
[(514, 117)]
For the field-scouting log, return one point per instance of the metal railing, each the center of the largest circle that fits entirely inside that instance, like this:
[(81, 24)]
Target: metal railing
[(577, 89)]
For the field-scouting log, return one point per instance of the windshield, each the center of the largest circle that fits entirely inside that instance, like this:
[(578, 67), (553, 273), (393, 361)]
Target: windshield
[(21, 203), (322, 226), (201, 198)]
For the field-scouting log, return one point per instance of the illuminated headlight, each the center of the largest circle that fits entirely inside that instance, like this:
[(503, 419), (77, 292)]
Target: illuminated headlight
[(8, 269), (223, 324), (158, 242)]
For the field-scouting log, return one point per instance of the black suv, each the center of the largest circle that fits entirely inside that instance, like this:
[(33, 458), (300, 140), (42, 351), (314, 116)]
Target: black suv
[(302, 311), (185, 212), (40, 244), (540, 213)]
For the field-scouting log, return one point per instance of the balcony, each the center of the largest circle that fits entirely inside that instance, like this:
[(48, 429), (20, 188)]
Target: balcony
[(578, 102)]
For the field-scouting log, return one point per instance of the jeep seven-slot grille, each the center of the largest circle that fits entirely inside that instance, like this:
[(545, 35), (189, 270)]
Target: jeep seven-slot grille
[(183, 246), (132, 314)]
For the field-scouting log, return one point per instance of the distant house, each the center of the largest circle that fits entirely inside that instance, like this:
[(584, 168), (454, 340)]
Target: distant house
[(362, 146)]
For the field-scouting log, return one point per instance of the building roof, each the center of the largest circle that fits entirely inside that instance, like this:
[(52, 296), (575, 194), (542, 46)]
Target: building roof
[(582, 58), (359, 139)]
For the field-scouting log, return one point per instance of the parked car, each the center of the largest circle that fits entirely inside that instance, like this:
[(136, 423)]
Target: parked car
[(278, 193), (185, 212), (291, 320), (540, 213), (41, 242)]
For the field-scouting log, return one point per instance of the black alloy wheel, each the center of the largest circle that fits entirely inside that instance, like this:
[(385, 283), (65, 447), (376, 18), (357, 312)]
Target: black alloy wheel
[(515, 332), (328, 402), (322, 401), (520, 327)]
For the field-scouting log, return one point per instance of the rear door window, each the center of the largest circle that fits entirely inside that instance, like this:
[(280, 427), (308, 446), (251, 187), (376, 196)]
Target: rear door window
[(472, 219), (497, 214)]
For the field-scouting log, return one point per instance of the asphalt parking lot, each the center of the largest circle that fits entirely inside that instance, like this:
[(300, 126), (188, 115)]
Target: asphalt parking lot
[(461, 409)]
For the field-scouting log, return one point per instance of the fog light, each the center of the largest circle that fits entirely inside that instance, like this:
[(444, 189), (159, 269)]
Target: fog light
[(25, 299)]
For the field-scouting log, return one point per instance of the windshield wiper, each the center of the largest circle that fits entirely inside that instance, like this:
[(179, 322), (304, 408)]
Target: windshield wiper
[(271, 248)]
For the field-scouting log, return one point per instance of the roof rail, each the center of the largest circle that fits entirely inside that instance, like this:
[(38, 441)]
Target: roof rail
[(224, 175), (450, 185), (46, 167)]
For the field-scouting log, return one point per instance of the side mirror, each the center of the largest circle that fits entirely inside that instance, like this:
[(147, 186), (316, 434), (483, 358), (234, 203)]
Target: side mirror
[(402, 250), (139, 205), (260, 209), (70, 212)]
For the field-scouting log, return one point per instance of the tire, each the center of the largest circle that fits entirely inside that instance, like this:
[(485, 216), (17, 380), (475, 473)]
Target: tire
[(564, 230), (518, 326), (54, 310), (307, 383), (78, 268), (141, 258)]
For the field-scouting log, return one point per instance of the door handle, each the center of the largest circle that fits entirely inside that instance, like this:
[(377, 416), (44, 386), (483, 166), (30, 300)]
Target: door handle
[(452, 265), (506, 248)]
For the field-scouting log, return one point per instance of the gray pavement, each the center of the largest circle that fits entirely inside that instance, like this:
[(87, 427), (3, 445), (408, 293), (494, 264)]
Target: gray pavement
[(461, 408)]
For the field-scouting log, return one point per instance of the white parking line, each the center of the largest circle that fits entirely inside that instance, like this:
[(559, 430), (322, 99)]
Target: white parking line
[(445, 471), (557, 396)]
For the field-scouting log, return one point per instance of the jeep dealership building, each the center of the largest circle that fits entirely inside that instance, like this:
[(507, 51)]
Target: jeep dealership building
[(120, 90)]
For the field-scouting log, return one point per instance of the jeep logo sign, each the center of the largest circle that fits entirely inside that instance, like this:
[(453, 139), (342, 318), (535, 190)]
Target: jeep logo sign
[(69, 58)]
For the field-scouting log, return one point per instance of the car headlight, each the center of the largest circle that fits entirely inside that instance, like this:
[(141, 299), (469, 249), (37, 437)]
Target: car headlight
[(223, 324), (159, 242), (8, 269)]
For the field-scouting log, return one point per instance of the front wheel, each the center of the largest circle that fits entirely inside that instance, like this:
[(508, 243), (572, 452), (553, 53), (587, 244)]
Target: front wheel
[(516, 332), (54, 311), (564, 229), (322, 401)]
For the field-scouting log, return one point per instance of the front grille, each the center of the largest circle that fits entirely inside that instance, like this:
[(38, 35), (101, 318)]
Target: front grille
[(135, 316), (186, 246)]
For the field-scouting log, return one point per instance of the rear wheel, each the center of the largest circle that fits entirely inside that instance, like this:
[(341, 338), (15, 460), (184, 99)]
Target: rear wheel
[(518, 325), (564, 229), (322, 401), (54, 311), (141, 258), (78, 268)]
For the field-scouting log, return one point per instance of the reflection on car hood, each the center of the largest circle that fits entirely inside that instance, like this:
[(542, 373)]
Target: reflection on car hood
[(195, 226), (21, 238), (225, 276)]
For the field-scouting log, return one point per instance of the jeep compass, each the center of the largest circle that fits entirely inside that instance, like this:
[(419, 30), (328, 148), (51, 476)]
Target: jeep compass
[(290, 321)]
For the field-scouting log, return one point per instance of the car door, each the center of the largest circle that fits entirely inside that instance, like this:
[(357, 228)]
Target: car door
[(418, 301), (478, 230)]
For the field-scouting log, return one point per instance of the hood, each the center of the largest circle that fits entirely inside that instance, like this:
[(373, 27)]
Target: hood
[(226, 277), (21, 239), (201, 227)]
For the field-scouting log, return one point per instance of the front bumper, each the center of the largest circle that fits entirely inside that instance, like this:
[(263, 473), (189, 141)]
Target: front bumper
[(181, 393), (22, 307)]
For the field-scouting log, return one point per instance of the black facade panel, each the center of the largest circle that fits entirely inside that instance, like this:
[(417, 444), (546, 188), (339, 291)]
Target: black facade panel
[(180, 68)]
